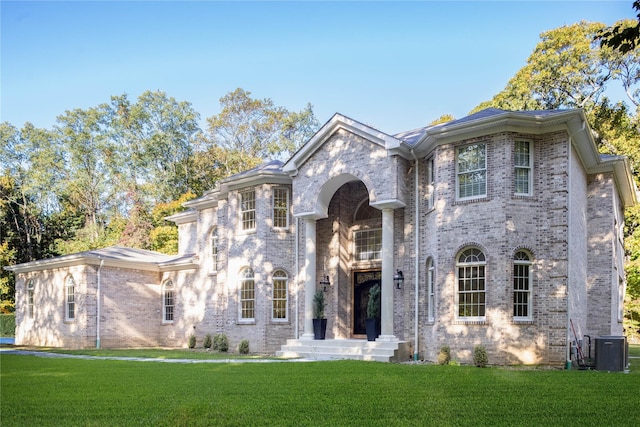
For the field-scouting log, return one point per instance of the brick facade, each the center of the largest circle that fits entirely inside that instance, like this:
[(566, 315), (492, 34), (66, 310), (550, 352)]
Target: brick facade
[(570, 225)]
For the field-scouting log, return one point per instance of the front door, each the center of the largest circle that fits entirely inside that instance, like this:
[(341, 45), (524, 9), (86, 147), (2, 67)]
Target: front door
[(362, 282)]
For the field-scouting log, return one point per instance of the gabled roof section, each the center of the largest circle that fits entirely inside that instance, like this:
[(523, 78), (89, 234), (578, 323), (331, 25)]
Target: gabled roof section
[(113, 256), (337, 122)]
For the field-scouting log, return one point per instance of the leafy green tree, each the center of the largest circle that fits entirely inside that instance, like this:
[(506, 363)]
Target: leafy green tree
[(624, 37)]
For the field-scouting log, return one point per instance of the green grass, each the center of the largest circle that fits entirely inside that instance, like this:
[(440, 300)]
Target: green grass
[(61, 392), (153, 353)]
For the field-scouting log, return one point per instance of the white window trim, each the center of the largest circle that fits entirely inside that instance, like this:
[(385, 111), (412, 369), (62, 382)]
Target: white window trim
[(70, 283), (531, 158), (431, 183), (241, 279), (470, 319), (243, 211), (285, 279), (214, 249), (30, 300), (286, 209), (431, 300), (486, 173), (529, 291), (355, 246), (165, 285)]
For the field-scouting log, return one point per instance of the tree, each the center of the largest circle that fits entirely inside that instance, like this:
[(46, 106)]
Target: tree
[(624, 37), (257, 129)]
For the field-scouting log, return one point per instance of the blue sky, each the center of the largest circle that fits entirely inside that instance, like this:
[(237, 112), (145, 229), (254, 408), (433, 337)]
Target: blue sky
[(392, 65)]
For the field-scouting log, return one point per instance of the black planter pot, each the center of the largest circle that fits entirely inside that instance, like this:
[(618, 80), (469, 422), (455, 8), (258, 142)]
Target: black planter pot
[(373, 328), (319, 328)]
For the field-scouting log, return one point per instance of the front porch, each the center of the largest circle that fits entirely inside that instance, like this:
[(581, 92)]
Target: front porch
[(353, 349)]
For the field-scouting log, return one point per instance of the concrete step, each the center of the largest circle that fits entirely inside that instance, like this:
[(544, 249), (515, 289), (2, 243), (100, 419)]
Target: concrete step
[(382, 351)]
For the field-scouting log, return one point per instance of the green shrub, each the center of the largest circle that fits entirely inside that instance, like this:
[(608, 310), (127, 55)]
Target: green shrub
[(221, 343), (192, 341), (444, 356), (7, 325), (244, 347), (373, 304), (480, 358), (208, 341), (318, 304)]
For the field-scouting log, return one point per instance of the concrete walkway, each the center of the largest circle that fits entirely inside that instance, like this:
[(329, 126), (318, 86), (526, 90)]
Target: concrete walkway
[(144, 359)]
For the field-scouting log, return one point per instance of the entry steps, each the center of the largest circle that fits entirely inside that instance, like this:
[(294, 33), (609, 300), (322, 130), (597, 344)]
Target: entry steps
[(353, 349)]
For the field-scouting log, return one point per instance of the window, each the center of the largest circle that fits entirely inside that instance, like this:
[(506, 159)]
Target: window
[(471, 285), (472, 171), (30, 307), (522, 286), (168, 302), (248, 209), (522, 172), (70, 299), (368, 245), (280, 208), (214, 250), (431, 193), (247, 295), (279, 295), (430, 289)]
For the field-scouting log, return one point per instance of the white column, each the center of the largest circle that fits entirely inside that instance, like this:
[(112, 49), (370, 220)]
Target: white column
[(309, 275), (387, 276)]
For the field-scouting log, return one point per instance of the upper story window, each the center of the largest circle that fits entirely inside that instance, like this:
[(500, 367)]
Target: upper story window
[(368, 245), (70, 299), (168, 302), (280, 207), (523, 167), (470, 272), (280, 295), (471, 176), (431, 184), (431, 276), (247, 295), (30, 305), (214, 249), (248, 209), (522, 286)]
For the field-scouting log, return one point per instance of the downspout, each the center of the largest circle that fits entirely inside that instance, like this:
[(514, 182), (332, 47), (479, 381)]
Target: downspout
[(568, 351), (297, 281), (417, 261), (98, 296)]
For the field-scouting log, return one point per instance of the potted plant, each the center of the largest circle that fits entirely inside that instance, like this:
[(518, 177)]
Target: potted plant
[(319, 321), (373, 313)]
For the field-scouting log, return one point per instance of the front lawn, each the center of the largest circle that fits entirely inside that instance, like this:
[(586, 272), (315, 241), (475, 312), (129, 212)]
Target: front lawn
[(45, 391)]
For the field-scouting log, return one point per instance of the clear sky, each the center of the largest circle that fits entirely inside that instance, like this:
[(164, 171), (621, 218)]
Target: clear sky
[(392, 65)]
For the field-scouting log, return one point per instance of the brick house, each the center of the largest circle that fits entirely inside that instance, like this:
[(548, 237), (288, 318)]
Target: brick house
[(507, 228)]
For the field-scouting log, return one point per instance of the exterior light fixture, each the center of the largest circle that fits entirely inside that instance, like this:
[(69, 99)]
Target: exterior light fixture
[(398, 279), (324, 283)]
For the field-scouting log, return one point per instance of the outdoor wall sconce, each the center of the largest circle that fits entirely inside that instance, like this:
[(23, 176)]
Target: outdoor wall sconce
[(398, 279), (324, 282)]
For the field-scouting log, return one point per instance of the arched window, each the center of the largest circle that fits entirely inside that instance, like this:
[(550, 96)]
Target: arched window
[(430, 290), (70, 299), (168, 302), (471, 285), (247, 295), (30, 306), (214, 249), (522, 286), (280, 295)]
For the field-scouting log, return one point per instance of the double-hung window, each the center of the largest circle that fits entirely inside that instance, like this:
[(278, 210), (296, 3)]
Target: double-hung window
[(70, 299), (471, 285), (214, 250), (30, 304), (522, 168), (471, 176), (431, 184), (522, 286), (247, 295), (168, 302), (280, 207), (430, 290), (248, 210), (279, 300)]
